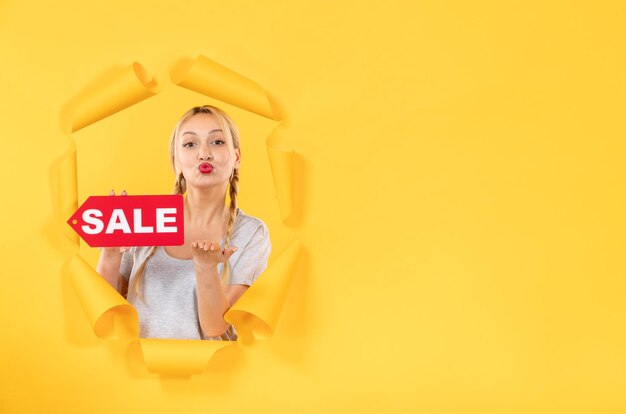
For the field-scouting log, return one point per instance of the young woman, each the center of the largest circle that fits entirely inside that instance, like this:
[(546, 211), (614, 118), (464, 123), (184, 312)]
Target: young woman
[(183, 292)]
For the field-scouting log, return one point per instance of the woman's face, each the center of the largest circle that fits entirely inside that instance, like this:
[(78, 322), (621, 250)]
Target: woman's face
[(204, 155)]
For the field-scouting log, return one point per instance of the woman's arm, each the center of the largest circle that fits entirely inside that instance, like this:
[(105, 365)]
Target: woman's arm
[(214, 301), (109, 263), (109, 266)]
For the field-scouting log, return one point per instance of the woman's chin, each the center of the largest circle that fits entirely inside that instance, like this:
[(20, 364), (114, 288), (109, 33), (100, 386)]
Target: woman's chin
[(207, 182)]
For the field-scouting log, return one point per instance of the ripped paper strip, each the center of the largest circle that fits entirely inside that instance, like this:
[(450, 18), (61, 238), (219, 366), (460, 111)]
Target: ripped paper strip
[(109, 314), (118, 91), (209, 78), (281, 162), (179, 356), (256, 313), (67, 192)]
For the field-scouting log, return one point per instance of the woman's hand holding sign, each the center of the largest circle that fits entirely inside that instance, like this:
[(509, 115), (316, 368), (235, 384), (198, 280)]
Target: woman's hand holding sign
[(109, 263), (120, 249)]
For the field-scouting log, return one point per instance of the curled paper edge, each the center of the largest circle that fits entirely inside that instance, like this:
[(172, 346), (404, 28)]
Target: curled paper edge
[(109, 314), (179, 356), (211, 79), (282, 165), (105, 97), (256, 313), (66, 193)]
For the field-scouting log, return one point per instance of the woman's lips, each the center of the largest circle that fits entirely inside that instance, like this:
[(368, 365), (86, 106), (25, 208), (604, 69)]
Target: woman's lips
[(205, 168)]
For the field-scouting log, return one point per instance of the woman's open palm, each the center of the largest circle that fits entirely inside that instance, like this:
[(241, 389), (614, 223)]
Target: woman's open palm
[(208, 254)]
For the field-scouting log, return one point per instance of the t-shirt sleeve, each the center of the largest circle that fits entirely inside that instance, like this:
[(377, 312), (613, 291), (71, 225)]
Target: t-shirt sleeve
[(253, 259), (126, 265)]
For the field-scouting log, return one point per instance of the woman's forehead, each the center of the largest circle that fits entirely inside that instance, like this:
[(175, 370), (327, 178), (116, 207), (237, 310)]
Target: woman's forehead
[(201, 124)]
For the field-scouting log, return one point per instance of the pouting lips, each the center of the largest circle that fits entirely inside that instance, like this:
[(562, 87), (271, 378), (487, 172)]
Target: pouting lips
[(205, 168)]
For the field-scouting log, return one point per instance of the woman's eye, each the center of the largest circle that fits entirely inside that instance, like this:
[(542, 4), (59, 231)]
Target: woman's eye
[(188, 144), (218, 142)]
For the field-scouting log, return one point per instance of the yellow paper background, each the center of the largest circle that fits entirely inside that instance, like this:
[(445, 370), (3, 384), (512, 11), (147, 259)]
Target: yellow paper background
[(458, 171)]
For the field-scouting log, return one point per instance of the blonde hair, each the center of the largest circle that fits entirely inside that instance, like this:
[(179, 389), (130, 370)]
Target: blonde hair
[(180, 186)]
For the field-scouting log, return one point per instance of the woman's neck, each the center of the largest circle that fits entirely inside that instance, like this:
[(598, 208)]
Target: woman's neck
[(205, 209)]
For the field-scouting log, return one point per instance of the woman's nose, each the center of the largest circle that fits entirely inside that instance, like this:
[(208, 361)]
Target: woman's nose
[(204, 153)]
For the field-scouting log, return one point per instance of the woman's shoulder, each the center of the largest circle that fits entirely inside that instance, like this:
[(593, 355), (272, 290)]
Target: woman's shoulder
[(247, 219), (248, 225)]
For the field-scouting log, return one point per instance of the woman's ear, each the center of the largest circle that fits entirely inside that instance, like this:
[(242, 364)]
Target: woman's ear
[(237, 157)]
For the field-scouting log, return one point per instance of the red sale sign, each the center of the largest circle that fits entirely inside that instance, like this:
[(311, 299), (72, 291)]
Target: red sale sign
[(132, 220)]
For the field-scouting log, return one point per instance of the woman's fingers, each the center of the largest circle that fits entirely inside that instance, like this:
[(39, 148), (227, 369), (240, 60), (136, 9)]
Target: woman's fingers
[(229, 252), (206, 245), (213, 249), (200, 244), (112, 193)]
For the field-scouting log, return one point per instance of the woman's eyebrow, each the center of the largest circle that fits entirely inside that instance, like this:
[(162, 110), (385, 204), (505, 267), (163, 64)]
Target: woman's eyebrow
[(210, 132)]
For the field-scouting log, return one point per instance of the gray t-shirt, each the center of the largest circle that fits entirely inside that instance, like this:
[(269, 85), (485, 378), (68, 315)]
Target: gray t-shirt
[(170, 307)]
